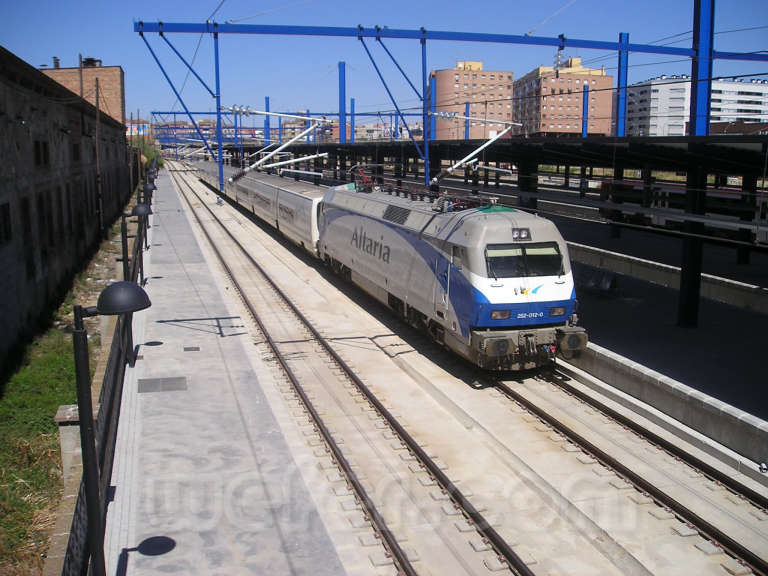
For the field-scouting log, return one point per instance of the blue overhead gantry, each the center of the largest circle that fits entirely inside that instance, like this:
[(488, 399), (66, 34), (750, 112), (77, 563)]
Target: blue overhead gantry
[(701, 53)]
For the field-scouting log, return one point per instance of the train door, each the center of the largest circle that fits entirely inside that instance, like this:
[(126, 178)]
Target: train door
[(442, 285)]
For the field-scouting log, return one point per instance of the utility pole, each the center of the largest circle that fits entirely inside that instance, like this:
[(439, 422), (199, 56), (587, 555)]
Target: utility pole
[(130, 156), (80, 72), (99, 197)]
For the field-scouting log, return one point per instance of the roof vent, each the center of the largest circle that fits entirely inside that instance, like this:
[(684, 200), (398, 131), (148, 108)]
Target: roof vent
[(91, 63)]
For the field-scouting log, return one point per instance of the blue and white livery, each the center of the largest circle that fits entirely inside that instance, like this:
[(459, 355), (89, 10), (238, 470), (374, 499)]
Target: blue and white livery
[(491, 283)]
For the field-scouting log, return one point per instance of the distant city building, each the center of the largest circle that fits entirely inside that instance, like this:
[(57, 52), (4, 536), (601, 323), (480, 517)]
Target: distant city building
[(548, 100), (739, 127), (82, 81), (661, 106), (386, 131), (489, 93)]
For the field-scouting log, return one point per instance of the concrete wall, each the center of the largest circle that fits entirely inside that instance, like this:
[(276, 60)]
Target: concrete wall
[(739, 294), (737, 430), (51, 211)]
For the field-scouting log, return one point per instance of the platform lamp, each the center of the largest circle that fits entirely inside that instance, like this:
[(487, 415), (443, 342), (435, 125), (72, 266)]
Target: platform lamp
[(116, 299), (142, 211), (149, 188)]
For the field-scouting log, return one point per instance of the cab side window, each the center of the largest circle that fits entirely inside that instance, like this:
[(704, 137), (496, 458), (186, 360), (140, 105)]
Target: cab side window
[(458, 257)]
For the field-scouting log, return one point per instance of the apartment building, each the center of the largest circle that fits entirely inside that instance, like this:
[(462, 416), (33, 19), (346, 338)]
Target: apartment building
[(549, 99), (488, 92), (661, 106)]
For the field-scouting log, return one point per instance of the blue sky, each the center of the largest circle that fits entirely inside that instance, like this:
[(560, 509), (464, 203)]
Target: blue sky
[(299, 73)]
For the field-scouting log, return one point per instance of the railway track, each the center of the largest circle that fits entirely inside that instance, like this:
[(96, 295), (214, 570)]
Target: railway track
[(697, 521), (288, 350), (691, 519)]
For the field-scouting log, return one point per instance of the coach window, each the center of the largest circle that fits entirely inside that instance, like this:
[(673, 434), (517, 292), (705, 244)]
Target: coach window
[(458, 257)]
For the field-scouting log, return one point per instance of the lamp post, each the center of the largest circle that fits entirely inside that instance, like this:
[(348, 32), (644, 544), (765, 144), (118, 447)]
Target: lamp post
[(149, 187), (115, 299), (142, 211)]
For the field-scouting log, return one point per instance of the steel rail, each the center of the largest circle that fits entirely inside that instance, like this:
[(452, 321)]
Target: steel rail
[(734, 548), (391, 544), (481, 523), (670, 447)]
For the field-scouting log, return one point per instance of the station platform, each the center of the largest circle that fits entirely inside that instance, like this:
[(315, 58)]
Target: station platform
[(204, 481)]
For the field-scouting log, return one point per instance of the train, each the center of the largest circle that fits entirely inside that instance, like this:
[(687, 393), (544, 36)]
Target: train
[(490, 283)]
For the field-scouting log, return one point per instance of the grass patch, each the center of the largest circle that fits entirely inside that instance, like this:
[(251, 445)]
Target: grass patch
[(30, 477)]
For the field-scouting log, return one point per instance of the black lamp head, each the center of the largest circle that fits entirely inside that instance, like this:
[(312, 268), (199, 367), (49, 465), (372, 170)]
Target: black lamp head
[(150, 186), (122, 298), (141, 210)]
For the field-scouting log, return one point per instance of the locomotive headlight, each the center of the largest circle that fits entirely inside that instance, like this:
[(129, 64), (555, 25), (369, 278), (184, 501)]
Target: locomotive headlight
[(521, 233), (557, 311), (499, 314)]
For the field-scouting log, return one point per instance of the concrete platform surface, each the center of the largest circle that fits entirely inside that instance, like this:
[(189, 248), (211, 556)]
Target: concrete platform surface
[(204, 481)]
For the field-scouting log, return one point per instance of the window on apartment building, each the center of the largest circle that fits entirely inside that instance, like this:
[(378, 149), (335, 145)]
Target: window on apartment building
[(455, 85), (28, 243), (593, 81), (655, 91), (60, 213), (42, 157), (474, 76), (455, 76), (5, 223), (42, 226), (68, 189)]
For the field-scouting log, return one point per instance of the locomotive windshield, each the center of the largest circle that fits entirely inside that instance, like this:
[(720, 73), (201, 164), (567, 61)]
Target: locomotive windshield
[(522, 260)]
